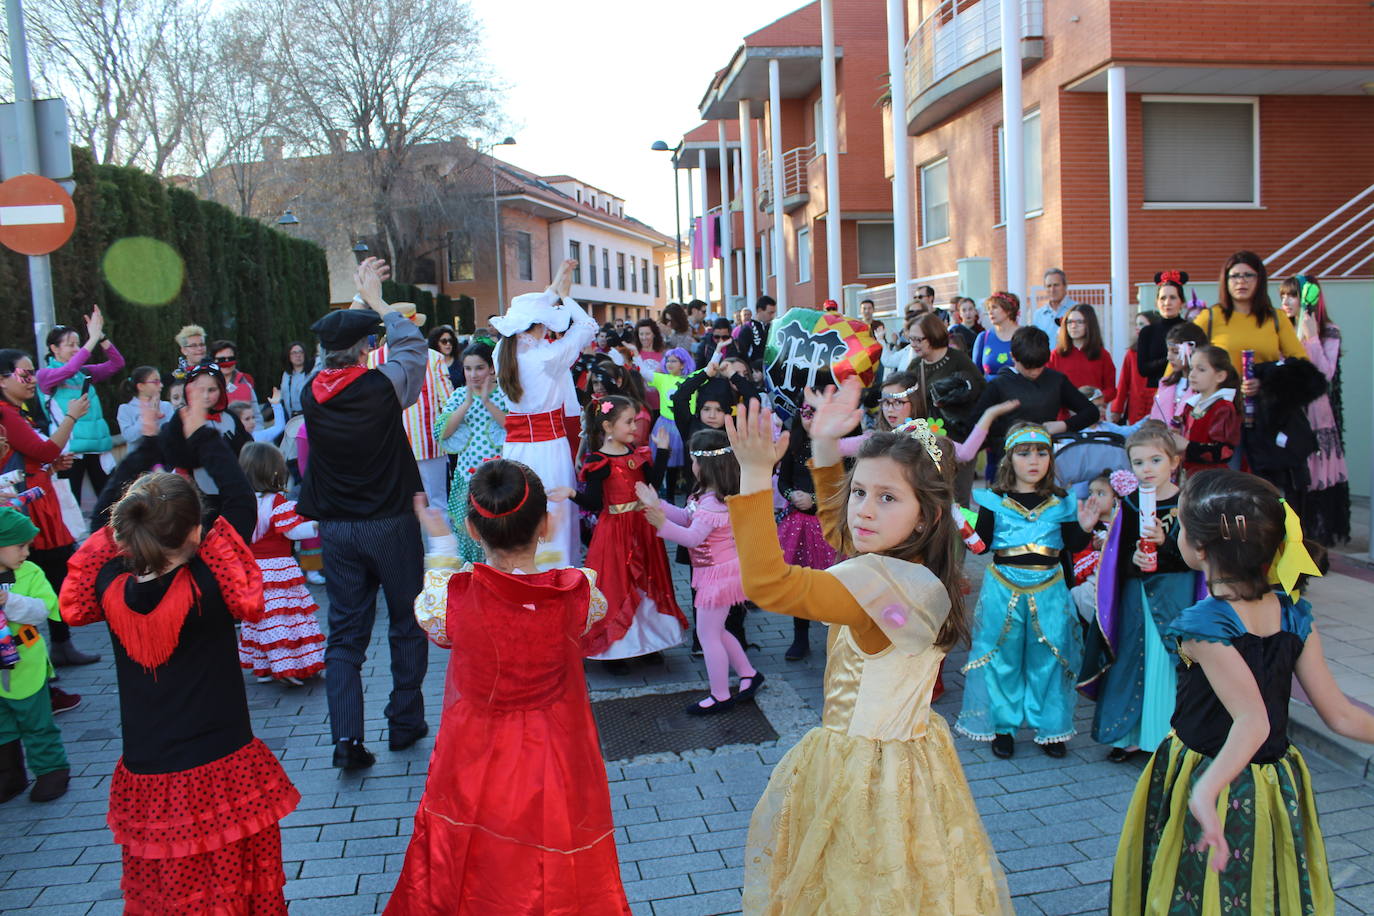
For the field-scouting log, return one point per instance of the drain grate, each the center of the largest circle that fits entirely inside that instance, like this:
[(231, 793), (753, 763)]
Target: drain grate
[(658, 723)]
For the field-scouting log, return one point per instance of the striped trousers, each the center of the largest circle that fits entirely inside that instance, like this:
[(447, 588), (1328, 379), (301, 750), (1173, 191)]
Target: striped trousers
[(360, 557)]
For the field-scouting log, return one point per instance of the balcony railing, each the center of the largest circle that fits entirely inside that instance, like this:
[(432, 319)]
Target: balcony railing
[(960, 32), (794, 174)]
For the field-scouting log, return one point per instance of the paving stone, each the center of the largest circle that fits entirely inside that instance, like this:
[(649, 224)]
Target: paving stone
[(657, 888), (710, 904), (686, 826), (680, 864)]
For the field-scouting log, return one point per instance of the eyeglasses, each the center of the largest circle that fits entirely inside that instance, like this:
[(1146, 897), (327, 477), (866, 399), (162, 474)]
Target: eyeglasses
[(196, 346), (918, 340), (1078, 322), (721, 336), (1242, 278)]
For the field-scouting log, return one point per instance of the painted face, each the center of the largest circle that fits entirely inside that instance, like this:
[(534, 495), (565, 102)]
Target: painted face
[(66, 348), (712, 414), (476, 370), (896, 411), (1152, 466), (673, 365), (1168, 302), (646, 338), (621, 429), (1030, 464), (883, 509), (21, 384), (1291, 304), (1203, 378), (177, 396), (13, 556)]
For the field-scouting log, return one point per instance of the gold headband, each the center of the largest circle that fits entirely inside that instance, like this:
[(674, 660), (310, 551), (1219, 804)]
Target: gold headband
[(919, 429)]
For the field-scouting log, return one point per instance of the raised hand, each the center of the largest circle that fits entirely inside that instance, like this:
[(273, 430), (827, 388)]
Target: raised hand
[(562, 281), (1088, 513), (368, 279), (661, 438), (646, 494), (149, 413), (95, 327), (276, 396), (837, 410), (433, 521), (194, 415), (750, 432)]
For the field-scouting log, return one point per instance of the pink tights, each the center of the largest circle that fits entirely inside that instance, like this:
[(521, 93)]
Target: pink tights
[(722, 651)]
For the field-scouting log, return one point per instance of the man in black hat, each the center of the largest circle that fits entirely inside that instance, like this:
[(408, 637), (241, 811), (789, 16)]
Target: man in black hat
[(360, 483)]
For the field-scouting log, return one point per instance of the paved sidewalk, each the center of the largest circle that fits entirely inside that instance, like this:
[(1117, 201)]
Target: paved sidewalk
[(681, 820)]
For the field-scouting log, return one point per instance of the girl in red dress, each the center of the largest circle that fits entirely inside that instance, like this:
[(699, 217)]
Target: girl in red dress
[(630, 561), (516, 815), (1211, 427), (195, 799)]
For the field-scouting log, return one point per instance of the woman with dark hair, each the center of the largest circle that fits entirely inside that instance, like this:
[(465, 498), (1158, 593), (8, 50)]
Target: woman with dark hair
[(1244, 318), (676, 331), (296, 376), (444, 341), (1134, 396), (1080, 354), (471, 427), (146, 383), (649, 341), (1151, 346), (992, 348), (68, 375)]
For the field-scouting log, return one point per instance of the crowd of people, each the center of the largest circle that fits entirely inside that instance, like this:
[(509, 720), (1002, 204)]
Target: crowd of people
[(512, 497)]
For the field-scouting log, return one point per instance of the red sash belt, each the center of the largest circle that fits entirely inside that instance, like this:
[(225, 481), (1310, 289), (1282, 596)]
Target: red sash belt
[(535, 427)]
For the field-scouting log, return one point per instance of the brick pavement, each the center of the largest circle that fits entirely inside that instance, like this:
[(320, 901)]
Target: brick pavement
[(681, 819)]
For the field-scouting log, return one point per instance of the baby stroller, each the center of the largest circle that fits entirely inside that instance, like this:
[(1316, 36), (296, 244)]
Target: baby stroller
[(1079, 457)]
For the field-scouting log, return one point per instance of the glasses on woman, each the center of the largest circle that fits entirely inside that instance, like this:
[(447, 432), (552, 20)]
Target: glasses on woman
[(1244, 277), (24, 375)]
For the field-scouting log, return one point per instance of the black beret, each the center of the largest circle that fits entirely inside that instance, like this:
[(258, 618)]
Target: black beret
[(342, 328)]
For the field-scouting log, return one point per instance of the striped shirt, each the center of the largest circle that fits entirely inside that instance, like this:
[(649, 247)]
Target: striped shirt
[(418, 419)]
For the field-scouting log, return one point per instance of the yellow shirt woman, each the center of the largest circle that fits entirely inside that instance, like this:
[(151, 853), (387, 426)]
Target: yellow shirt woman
[(1271, 340)]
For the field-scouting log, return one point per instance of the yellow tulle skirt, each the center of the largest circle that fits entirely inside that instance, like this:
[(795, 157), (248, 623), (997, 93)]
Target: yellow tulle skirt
[(857, 826), (1269, 818)]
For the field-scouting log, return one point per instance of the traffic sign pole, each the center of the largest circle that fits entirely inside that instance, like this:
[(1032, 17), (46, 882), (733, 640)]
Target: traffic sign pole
[(40, 269)]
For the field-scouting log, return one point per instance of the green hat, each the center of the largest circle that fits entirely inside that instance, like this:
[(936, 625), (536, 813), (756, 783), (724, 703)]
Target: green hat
[(15, 527)]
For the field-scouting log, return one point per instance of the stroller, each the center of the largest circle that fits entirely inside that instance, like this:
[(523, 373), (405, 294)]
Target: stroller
[(1081, 456)]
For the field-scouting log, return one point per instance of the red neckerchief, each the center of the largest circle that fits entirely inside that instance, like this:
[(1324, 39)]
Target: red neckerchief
[(150, 639), (330, 382)]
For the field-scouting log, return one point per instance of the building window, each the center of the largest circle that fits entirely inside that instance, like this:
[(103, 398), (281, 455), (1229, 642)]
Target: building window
[(656, 282), (1200, 151), (524, 255), (935, 202), (575, 252), (876, 255), (644, 274), (606, 268), (591, 264), (803, 255), (620, 268), (459, 257), (634, 277), (1031, 172)]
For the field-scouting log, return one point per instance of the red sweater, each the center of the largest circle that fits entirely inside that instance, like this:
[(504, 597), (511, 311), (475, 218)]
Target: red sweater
[(1098, 373), (1134, 396)]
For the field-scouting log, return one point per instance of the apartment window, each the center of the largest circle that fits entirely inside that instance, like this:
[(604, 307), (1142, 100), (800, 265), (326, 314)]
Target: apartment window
[(575, 252), (876, 255), (1031, 172), (620, 268), (935, 202), (524, 255), (634, 277), (656, 282), (459, 257), (644, 274), (606, 268), (1200, 151), (591, 264), (803, 255)]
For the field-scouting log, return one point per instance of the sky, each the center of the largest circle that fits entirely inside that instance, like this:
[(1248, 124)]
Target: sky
[(591, 85)]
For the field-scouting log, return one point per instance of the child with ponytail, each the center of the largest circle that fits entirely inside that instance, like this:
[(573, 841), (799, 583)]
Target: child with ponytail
[(1248, 837)]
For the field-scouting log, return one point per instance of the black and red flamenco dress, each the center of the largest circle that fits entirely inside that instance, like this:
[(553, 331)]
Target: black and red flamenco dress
[(516, 815), (195, 799), (630, 561)]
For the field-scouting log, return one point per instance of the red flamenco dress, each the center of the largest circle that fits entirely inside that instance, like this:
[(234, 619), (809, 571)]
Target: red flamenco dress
[(195, 799), (516, 815), (628, 557)]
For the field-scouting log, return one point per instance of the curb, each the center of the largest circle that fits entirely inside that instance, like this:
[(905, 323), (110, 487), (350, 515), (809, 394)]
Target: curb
[(1305, 728)]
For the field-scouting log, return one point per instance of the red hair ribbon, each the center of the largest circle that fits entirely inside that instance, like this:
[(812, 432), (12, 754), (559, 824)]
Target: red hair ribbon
[(1171, 276), (487, 513)]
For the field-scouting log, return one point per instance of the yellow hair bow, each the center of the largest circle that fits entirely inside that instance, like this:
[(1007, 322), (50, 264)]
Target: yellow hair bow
[(1292, 559)]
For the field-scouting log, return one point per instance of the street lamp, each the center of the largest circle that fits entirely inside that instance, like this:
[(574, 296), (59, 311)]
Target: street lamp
[(496, 219), (287, 219), (360, 251), (661, 147)]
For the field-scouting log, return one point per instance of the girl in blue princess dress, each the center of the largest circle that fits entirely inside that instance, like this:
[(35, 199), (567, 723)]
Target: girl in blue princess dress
[(1027, 646)]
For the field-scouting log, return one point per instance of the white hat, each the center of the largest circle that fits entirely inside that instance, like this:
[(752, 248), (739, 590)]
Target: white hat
[(530, 309)]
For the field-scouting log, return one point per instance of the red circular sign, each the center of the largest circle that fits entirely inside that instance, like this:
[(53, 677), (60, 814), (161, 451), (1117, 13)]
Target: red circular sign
[(36, 215)]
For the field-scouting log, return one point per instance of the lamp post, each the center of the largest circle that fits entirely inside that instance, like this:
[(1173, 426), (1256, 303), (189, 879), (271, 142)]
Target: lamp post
[(496, 220), (287, 219), (661, 147), (360, 251)]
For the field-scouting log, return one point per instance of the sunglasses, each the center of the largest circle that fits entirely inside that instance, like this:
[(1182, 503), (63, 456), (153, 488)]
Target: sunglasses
[(24, 375), (721, 337)]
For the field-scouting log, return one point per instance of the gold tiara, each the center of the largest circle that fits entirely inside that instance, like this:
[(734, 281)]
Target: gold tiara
[(919, 429)]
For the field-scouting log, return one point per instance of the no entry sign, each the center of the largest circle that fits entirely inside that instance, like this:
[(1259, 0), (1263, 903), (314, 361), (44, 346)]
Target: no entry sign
[(36, 215)]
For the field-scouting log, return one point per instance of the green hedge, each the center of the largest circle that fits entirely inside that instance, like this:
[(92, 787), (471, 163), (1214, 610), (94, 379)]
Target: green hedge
[(440, 309), (244, 281)]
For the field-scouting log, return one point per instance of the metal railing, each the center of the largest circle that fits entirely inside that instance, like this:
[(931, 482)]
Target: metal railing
[(886, 306), (958, 33), (1341, 252), (795, 163)]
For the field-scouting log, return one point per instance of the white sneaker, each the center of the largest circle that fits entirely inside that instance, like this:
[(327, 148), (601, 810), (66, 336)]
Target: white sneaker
[(315, 577), (293, 681), (264, 678)]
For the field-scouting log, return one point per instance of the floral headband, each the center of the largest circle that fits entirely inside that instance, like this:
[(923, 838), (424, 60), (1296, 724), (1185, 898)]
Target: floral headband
[(919, 429), (1028, 435)]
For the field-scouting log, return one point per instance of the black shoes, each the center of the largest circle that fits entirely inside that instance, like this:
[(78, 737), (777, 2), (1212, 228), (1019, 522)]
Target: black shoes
[(50, 786), (747, 693), (1055, 749), (1121, 754), (12, 777), (1003, 746), (67, 655), (696, 709), (801, 640), (350, 754), (399, 741)]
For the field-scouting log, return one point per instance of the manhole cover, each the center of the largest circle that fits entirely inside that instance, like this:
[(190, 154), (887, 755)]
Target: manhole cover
[(658, 723)]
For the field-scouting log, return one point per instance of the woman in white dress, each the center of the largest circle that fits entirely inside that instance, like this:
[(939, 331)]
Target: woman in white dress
[(533, 372)]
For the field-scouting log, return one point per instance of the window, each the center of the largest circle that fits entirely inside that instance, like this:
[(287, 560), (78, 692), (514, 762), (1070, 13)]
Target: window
[(634, 277), (876, 255), (459, 257), (935, 202), (606, 268), (591, 264), (620, 268), (575, 252), (1031, 172), (803, 255), (1200, 151), (524, 255), (644, 274), (656, 282)]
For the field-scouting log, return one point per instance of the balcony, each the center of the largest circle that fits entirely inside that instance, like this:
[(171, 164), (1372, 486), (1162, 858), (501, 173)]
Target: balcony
[(795, 178), (954, 56)]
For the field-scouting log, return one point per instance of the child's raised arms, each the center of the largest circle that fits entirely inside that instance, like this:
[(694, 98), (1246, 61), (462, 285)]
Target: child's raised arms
[(750, 432), (837, 412)]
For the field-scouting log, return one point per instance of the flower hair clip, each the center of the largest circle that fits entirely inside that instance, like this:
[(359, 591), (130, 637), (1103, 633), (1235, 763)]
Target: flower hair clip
[(606, 406), (713, 452), (919, 429)]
